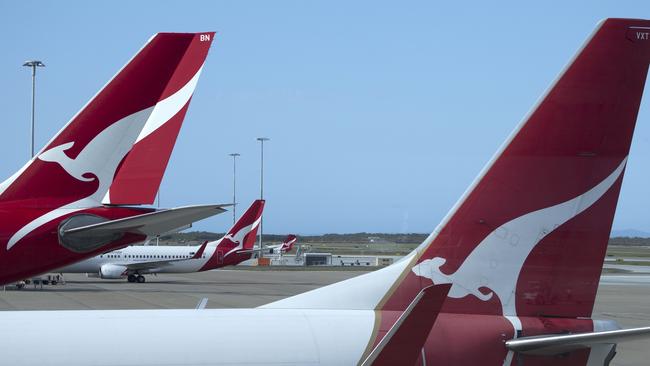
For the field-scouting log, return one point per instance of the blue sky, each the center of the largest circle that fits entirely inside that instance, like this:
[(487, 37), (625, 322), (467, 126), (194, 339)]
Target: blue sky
[(380, 113)]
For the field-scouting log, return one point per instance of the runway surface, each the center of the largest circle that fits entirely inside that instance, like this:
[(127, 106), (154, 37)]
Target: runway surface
[(624, 298)]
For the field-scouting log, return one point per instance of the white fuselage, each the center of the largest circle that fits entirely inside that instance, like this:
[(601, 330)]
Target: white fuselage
[(218, 337), (241, 337), (140, 254)]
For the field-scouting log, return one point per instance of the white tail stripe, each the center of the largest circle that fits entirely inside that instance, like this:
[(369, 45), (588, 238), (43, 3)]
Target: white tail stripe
[(169, 107), (162, 112)]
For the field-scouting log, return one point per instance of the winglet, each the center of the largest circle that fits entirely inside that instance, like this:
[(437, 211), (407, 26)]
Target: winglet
[(199, 252), (403, 343)]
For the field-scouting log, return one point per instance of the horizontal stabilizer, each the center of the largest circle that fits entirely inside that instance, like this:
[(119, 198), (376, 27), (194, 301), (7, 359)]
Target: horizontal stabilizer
[(152, 223), (558, 344), (403, 343)]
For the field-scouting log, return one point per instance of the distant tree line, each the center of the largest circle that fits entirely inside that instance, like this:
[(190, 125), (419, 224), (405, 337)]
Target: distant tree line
[(193, 237), (624, 240)]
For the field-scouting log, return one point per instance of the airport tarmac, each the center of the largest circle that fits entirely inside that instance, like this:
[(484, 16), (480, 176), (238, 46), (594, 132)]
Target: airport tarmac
[(624, 298)]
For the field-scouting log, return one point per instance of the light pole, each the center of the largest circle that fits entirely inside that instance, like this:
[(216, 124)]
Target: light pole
[(261, 140), (158, 236), (234, 185), (33, 64)]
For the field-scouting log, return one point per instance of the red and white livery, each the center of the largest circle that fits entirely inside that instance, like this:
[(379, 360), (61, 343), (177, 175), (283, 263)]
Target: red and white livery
[(70, 201), (134, 262), (284, 247), (509, 277)]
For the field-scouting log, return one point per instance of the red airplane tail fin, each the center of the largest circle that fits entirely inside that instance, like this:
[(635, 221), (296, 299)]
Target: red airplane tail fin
[(140, 173), (529, 236), (243, 234), (123, 137), (288, 243), (240, 239)]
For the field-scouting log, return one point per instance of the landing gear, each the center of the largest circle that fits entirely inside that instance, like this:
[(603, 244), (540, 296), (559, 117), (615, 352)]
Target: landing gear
[(135, 278)]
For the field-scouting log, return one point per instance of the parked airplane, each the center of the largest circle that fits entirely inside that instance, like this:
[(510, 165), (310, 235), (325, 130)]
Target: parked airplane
[(135, 261), (283, 247), (509, 277), (73, 200)]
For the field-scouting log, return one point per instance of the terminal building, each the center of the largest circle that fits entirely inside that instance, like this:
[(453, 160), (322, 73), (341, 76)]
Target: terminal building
[(325, 259)]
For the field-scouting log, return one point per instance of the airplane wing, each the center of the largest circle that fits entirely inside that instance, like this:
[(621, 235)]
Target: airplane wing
[(152, 223), (266, 249), (166, 262), (559, 344), (403, 343)]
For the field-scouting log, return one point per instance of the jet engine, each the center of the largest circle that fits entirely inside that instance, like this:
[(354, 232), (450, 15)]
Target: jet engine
[(112, 271)]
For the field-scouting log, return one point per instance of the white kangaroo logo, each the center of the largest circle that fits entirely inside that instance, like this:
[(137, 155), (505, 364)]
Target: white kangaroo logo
[(497, 261), (238, 237), (101, 155), (75, 167)]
